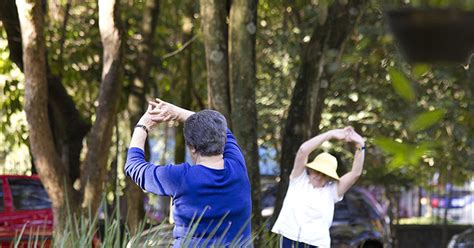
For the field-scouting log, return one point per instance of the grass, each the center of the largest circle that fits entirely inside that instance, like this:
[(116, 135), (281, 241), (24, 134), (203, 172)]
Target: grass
[(422, 221), (84, 231), (80, 232)]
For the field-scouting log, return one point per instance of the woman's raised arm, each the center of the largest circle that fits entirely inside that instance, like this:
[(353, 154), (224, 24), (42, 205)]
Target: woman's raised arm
[(351, 177), (312, 144)]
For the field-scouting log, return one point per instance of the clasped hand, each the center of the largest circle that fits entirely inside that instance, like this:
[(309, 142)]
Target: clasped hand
[(348, 134), (159, 111)]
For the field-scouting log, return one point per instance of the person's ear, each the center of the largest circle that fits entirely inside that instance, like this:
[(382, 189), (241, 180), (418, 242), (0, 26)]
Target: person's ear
[(192, 149)]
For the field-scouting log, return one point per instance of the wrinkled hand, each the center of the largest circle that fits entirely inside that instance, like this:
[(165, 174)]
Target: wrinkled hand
[(147, 119), (161, 111), (158, 112)]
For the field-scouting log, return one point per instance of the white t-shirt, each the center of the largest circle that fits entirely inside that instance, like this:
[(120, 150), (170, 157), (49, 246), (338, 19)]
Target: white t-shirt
[(307, 212)]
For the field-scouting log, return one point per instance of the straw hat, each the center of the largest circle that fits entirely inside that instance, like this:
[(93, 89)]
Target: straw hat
[(326, 164)]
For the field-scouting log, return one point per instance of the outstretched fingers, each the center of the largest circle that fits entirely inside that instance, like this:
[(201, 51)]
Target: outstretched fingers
[(150, 107), (153, 104)]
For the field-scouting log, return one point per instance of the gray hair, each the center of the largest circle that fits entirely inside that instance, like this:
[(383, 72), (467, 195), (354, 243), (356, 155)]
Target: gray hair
[(205, 131)]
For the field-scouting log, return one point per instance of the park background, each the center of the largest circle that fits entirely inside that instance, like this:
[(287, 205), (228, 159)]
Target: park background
[(280, 71)]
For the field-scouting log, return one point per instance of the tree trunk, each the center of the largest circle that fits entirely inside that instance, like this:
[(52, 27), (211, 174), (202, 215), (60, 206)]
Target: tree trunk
[(313, 80), (186, 82), (185, 88), (65, 117), (391, 214), (136, 106), (47, 161), (100, 139), (63, 114), (243, 27), (11, 23), (214, 29)]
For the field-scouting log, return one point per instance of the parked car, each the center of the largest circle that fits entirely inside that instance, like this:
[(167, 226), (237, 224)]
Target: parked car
[(463, 240), (460, 205), (25, 211), (359, 221), (26, 217), (457, 199)]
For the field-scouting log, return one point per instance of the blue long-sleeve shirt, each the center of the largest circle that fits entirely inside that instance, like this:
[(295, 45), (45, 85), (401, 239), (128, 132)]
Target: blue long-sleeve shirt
[(219, 197)]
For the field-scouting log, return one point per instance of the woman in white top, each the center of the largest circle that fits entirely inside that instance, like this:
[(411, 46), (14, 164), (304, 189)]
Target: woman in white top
[(315, 187)]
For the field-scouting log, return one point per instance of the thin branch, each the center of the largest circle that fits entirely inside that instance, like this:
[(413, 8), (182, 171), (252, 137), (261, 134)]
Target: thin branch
[(171, 54)]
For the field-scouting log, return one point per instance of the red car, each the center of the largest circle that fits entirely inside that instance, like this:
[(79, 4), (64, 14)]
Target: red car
[(25, 212)]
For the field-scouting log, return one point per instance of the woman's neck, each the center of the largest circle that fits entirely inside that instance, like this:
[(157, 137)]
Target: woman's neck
[(214, 162)]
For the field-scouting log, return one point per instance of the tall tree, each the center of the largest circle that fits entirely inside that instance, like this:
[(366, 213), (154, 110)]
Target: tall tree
[(63, 114), (315, 75), (214, 28), (137, 103), (184, 83), (243, 80), (186, 80), (54, 170), (98, 144), (47, 161)]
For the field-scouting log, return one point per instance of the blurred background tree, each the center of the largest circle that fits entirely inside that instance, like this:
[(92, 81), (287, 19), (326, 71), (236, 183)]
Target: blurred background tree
[(318, 65)]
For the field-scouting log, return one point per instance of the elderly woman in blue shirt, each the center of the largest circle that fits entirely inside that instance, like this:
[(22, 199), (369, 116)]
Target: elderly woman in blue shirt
[(215, 189)]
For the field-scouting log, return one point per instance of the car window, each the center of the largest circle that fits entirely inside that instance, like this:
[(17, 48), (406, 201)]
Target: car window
[(353, 206), (2, 204), (28, 194), (341, 211), (361, 207)]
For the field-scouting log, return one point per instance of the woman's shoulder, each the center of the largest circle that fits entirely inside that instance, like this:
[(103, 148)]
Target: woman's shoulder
[(303, 177), (176, 169)]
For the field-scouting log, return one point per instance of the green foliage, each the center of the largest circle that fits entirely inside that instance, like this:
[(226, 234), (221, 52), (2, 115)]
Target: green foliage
[(417, 118), (276, 70), (391, 147), (408, 140), (77, 59), (401, 85), (14, 155), (419, 70), (11, 101), (404, 154), (426, 119)]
